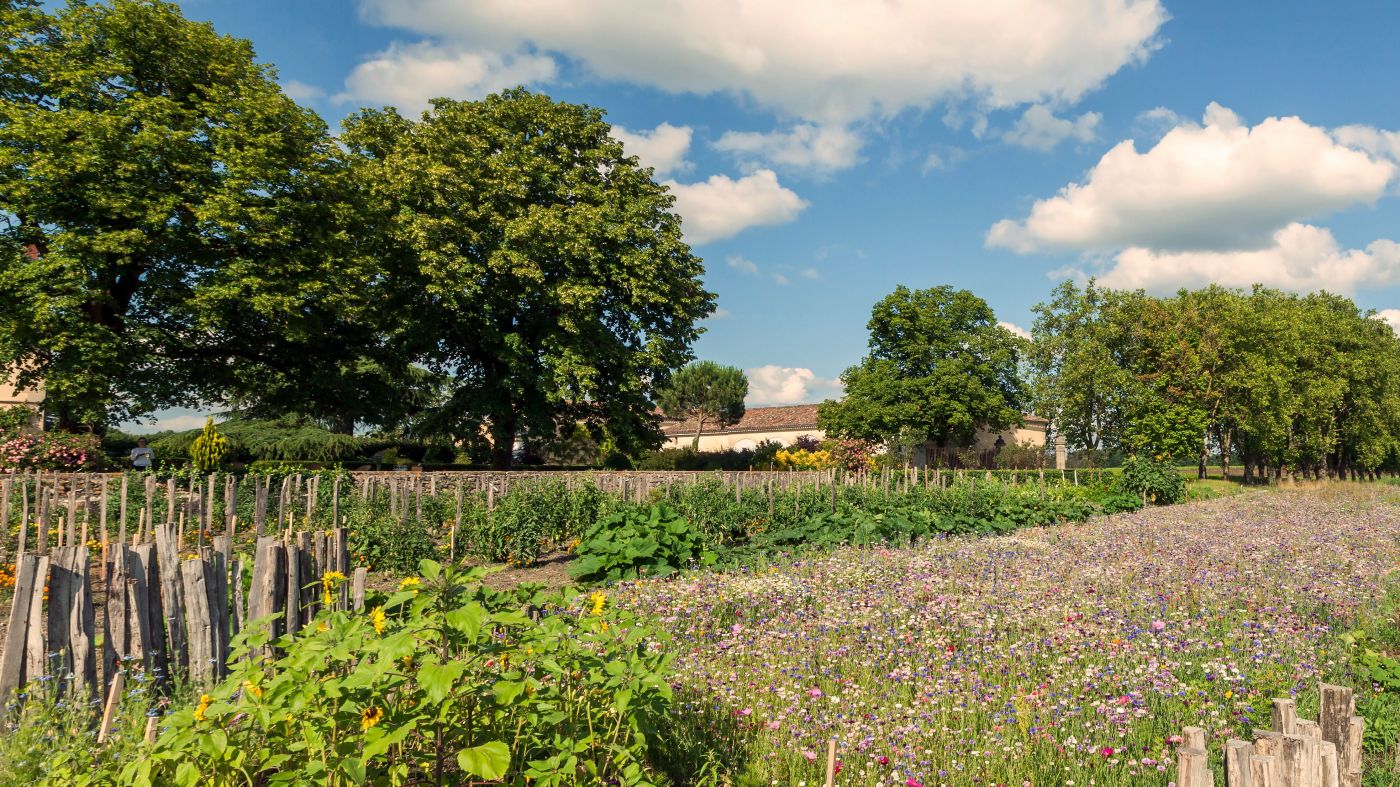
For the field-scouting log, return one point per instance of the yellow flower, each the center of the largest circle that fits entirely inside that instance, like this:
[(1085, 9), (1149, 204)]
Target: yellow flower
[(370, 717), (204, 700), (409, 582), (323, 627), (376, 616), (328, 581), (605, 625), (599, 598), (252, 689)]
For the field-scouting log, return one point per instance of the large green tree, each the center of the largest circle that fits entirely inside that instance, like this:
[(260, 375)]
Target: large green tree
[(939, 369), (705, 392), (172, 227), (547, 273)]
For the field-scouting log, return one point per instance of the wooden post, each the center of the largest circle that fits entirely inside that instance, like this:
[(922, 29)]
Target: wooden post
[(102, 512), (109, 712), (357, 589), (36, 662), (1261, 771), (335, 501), (12, 661), (1192, 767), (294, 582), (200, 621), (116, 644), (172, 596), (268, 592), (4, 514), (1285, 716), (1350, 756), (144, 607), (239, 616), (1237, 754), (152, 727), (1337, 705), (1330, 774), (1293, 761)]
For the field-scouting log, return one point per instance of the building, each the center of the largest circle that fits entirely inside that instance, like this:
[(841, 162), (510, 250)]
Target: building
[(34, 400), (785, 424)]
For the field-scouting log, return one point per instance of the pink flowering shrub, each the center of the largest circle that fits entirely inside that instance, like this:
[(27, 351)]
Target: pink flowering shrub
[(49, 451)]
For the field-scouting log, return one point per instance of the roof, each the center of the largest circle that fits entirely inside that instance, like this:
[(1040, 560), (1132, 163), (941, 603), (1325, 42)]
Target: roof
[(788, 418), (756, 419)]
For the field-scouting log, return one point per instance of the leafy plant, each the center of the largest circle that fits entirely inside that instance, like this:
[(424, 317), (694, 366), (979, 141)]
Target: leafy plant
[(383, 542), (632, 544), (444, 682), (1153, 480)]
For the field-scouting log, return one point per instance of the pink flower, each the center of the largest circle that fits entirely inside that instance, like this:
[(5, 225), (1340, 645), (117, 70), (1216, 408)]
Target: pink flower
[(745, 712), (883, 760), (773, 725), (810, 756), (1158, 625), (913, 783), (1106, 751), (815, 693)]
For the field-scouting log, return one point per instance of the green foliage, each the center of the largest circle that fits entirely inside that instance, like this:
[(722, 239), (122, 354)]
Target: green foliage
[(209, 449), (391, 544), (633, 544), (283, 440), (939, 369), (454, 685), (542, 268), (705, 392), (178, 224), (1153, 480)]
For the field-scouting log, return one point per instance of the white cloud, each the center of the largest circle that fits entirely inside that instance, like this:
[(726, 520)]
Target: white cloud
[(832, 61), (742, 264), (1391, 317), (302, 92), (775, 384), (781, 280), (1375, 141), (1039, 129), (1016, 329), (407, 76), (805, 147), (1217, 186), (811, 273), (1301, 257), (663, 148), (722, 207), (720, 313)]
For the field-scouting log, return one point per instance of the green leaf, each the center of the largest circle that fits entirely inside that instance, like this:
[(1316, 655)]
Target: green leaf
[(488, 761)]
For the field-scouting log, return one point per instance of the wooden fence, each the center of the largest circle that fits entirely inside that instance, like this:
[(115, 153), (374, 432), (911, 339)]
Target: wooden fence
[(1294, 753), (169, 614)]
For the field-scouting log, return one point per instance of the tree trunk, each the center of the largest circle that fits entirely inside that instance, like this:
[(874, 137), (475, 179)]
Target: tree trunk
[(1205, 455), (1225, 454), (699, 425), (503, 442)]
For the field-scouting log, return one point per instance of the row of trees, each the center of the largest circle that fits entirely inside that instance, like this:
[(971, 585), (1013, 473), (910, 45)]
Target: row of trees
[(1285, 382), (175, 229)]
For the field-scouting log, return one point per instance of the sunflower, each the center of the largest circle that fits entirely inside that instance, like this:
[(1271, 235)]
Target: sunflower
[(370, 717)]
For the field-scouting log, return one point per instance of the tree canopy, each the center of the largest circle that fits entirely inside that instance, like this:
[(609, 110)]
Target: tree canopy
[(705, 392), (543, 269), (939, 369), (172, 227), (1307, 382)]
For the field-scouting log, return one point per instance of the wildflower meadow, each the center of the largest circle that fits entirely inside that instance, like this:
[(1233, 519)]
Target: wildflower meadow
[(1064, 655)]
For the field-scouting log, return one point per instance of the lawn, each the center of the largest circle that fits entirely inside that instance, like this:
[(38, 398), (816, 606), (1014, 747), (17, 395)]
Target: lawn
[(1062, 655)]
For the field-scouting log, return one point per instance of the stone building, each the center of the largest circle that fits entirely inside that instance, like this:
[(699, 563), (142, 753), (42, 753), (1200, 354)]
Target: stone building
[(786, 423)]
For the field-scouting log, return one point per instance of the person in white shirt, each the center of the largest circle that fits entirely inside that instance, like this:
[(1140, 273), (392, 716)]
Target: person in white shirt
[(141, 456)]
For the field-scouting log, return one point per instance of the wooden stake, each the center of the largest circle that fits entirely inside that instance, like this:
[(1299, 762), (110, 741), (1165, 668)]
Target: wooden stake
[(109, 712), (831, 763)]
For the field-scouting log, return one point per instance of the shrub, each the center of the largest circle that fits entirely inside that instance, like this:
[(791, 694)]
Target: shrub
[(50, 451), (209, 450), (1151, 480), (632, 544), (444, 682)]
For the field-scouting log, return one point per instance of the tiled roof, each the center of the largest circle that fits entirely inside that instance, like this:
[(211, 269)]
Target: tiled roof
[(756, 419)]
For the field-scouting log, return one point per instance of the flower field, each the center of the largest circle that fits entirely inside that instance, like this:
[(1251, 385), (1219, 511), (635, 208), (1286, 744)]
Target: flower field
[(1062, 655)]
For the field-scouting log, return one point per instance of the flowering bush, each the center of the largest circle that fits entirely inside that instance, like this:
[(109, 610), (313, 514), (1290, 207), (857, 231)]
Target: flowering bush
[(49, 451), (804, 459)]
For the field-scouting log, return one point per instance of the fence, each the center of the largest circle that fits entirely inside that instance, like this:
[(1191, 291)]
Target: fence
[(170, 615), (1294, 753)]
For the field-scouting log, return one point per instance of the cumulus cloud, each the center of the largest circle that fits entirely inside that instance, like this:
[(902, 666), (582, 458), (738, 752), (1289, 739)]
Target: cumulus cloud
[(773, 384), (836, 61), (1040, 129), (1391, 317), (407, 76), (1218, 186), (662, 148), (1300, 257), (302, 92), (805, 147), (1372, 140), (722, 207), (1016, 329)]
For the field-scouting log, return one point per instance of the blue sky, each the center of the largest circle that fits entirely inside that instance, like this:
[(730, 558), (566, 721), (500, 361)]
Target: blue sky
[(824, 152)]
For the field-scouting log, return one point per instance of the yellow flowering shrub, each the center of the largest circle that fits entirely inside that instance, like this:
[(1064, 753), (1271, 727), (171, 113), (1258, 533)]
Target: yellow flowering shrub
[(803, 459)]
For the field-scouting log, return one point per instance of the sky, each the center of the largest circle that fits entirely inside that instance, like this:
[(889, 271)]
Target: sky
[(824, 152)]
